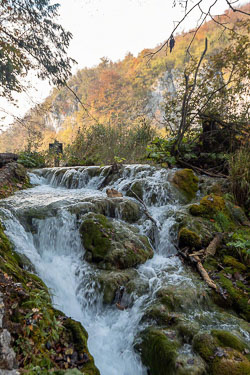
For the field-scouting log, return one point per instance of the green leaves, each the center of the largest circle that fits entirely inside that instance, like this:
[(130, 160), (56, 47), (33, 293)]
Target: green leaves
[(31, 40)]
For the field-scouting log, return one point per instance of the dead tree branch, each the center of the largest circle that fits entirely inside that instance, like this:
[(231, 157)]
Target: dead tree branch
[(145, 207)]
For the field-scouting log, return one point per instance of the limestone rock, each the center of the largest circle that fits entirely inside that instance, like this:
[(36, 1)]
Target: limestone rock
[(112, 244)]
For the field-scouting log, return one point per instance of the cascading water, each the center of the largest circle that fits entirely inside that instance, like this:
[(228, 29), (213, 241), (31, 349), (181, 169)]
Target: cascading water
[(43, 224)]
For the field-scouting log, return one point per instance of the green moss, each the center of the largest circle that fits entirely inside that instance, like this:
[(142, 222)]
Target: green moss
[(231, 261), (209, 206), (159, 313), (189, 238), (236, 297), (234, 364), (210, 264), (187, 330), (204, 345), (130, 211), (227, 339), (223, 222), (158, 352), (113, 245), (96, 236), (187, 182), (79, 334)]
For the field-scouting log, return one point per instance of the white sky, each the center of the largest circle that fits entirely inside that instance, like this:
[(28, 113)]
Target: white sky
[(110, 28)]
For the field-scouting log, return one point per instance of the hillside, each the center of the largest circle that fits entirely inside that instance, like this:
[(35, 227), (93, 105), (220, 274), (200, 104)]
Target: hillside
[(119, 94)]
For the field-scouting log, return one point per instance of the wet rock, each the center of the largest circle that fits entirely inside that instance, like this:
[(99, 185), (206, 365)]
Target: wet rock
[(158, 352), (111, 281), (111, 244), (120, 208), (180, 298), (136, 190)]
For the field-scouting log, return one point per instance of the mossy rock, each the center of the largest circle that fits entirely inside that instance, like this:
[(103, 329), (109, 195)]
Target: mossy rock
[(227, 339), (96, 232), (237, 213), (111, 281), (129, 211), (135, 190), (189, 238), (234, 365), (209, 206), (158, 352), (203, 227), (236, 297), (205, 345), (112, 244), (180, 298), (222, 352), (159, 314), (187, 182), (187, 330), (190, 364)]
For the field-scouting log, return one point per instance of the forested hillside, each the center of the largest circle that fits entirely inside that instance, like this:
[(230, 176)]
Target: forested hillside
[(119, 100)]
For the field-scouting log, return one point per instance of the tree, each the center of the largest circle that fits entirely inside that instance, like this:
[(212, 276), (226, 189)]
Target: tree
[(30, 40), (212, 97)]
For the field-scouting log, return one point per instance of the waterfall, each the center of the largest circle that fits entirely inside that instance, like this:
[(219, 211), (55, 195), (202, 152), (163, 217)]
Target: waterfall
[(43, 223)]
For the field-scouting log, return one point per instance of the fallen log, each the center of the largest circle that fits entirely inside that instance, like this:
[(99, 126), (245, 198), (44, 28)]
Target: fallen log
[(214, 244), (204, 274)]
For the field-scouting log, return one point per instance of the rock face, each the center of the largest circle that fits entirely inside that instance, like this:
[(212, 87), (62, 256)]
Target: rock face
[(111, 244)]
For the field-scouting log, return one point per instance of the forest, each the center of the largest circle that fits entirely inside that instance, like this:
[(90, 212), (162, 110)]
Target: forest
[(125, 201)]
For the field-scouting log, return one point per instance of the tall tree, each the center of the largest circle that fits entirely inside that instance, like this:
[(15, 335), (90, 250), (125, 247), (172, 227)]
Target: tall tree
[(30, 39)]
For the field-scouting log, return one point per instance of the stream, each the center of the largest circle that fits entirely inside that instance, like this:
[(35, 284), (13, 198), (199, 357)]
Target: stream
[(43, 223)]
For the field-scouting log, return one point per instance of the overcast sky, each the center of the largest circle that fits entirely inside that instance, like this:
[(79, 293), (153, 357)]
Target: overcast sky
[(110, 28)]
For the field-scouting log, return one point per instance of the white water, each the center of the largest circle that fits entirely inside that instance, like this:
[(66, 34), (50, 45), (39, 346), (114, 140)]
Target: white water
[(56, 252)]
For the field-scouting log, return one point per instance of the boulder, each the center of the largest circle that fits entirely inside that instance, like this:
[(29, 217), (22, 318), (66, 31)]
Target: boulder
[(110, 282), (186, 182), (222, 352), (158, 351), (112, 244), (120, 208)]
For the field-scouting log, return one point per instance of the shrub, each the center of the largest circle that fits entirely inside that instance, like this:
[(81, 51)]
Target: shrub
[(31, 159)]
